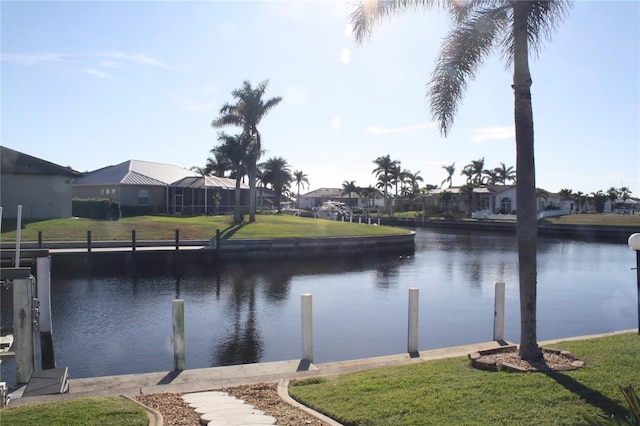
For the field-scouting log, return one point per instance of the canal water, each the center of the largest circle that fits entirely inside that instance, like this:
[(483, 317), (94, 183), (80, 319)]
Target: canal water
[(120, 323)]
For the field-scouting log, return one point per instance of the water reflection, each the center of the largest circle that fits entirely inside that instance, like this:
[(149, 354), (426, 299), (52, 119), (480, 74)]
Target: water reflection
[(241, 312)]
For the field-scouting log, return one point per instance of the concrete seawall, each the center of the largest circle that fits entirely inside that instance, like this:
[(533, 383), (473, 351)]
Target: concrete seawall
[(615, 234), (107, 255)]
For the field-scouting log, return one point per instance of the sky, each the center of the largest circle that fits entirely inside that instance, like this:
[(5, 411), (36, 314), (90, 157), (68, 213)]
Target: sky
[(90, 84)]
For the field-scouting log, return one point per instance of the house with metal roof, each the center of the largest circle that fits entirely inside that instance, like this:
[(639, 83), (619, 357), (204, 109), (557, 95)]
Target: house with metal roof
[(42, 188), (141, 187)]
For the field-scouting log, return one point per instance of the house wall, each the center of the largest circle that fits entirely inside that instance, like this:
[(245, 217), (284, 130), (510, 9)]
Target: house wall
[(41, 197), (126, 195)]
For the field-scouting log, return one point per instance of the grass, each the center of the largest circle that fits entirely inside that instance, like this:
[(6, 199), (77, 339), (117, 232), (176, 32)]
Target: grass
[(450, 391), (81, 412), (191, 228)]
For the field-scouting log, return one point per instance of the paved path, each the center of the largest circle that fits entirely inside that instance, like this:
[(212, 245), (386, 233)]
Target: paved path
[(220, 408)]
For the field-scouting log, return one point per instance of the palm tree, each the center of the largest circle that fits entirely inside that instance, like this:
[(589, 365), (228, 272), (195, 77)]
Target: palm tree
[(477, 167), (613, 195), (219, 164), (348, 188), (247, 113), (301, 179), (480, 27), (450, 171), (579, 197), (383, 171), (276, 172), (505, 173), (566, 194), (234, 149)]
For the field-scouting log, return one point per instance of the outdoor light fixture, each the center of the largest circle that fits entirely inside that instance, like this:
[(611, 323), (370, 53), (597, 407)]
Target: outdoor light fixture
[(634, 244)]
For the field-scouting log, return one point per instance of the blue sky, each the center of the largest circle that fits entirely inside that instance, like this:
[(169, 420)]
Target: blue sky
[(90, 84)]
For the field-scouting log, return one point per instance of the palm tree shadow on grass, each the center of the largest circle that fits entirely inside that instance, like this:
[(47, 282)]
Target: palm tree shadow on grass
[(229, 231), (590, 396)]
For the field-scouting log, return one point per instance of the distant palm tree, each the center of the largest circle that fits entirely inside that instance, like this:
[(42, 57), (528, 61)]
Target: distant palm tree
[(579, 197), (412, 179), (613, 194), (301, 179), (477, 167), (450, 171), (384, 172), (276, 172), (234, 148), (566, 194), (250, 108), (492, 177), (348, 188), (480, 27), (219, 164), (505, 174)]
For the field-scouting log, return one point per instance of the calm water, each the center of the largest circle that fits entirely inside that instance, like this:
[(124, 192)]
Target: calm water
[(242, 313)]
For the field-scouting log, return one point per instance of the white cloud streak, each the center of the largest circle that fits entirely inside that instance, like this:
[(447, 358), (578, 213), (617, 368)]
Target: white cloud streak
[(28, 59), (493, 133), (406, 129), (96, 73)]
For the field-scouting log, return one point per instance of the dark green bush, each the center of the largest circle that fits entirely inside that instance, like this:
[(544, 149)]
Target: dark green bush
[(95, 208)]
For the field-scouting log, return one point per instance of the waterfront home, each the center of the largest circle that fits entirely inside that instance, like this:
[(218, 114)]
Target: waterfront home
[(42, 188)]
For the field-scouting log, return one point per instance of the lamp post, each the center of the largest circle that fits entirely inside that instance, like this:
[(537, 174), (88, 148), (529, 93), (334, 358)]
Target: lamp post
[(634, 244)]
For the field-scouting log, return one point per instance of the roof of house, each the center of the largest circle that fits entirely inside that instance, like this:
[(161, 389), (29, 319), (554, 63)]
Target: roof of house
[(485, 189), (17, 163), (208, 182), (328, 192), (136, 172)]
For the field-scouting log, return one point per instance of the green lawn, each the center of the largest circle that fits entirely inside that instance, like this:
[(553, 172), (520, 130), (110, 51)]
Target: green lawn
[(191, 228), (79, 412), (450, 391)]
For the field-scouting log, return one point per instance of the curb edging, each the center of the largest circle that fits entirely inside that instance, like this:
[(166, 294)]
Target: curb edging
[(283, 393)]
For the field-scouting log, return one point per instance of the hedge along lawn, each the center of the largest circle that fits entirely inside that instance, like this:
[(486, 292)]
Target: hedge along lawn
[(450, 391), (80, 412), (192, 228)]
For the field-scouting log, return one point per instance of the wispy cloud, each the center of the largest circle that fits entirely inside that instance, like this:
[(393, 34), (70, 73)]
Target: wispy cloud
[(492, 133), (136, 58), (96, 73), (32, 59), (111, 59), (406, 129)]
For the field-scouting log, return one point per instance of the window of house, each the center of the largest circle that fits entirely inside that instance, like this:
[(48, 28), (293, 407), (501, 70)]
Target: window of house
[(143, 196), (505, 205)]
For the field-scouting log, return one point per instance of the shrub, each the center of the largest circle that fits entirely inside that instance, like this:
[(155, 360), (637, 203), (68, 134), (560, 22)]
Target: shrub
[(95, 208)]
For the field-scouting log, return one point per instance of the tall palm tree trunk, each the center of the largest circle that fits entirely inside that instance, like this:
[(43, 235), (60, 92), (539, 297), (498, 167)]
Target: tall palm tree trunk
[(253, 172), (237, 214), (527, 222)]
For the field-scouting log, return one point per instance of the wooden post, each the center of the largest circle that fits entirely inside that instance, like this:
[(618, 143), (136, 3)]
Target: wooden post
[(307, 328), (43, 274), (218, 242), (498, 320), (39, 239), (23, 329), (177, 239), (412, 346), (89, 241), (133, 240), (177, 306), (18, 232)]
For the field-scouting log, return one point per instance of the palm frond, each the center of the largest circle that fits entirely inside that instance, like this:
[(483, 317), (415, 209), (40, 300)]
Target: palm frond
[(463, 51)]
